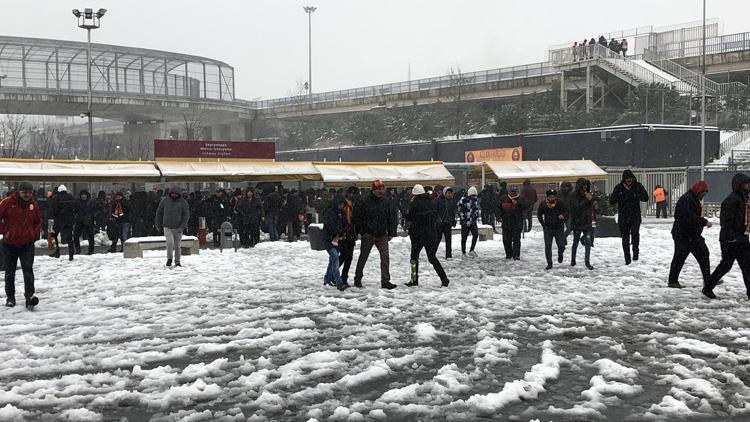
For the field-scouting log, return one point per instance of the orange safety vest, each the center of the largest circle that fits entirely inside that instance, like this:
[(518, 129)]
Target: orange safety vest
[(660, 195)]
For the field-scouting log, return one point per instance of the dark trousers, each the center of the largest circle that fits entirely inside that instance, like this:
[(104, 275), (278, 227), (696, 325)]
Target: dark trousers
[(83, 231), (485, 215), (586, 238), (465, 230), (685, 247), (346, 255), (527, 219), (512, 242), (446, 231), (12, 254), (65, 234), (430, 246), (661, 209), (380, 242), (558, 235), (730, 252), (630, 233)]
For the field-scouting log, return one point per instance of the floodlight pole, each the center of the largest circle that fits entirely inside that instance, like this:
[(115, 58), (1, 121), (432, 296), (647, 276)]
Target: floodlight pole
[(309, 10), (703, 98), (89, 20)]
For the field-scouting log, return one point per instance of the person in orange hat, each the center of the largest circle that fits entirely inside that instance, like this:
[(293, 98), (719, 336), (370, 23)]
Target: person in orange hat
[(376, 222), (687, 233)]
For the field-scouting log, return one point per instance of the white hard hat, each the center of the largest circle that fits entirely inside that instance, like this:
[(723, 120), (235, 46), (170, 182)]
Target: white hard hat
[(62, 188)]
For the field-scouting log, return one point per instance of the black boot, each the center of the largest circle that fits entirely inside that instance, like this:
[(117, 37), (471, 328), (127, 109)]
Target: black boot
[(55, 254), (387, 285), (10, 302), (588, 265), (169, 262)]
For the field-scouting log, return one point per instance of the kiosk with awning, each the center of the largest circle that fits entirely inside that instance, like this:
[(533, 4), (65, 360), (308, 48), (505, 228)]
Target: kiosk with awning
[(393, 174), (79, 171), (541, 171), (237, 171)]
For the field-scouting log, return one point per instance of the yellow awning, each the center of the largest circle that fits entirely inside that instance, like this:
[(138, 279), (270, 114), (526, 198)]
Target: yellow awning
[(543, 171), (79, 171), (394, 174), (237, 171)]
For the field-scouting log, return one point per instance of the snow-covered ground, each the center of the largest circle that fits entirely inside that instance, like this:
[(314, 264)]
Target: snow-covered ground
[(254, 335)]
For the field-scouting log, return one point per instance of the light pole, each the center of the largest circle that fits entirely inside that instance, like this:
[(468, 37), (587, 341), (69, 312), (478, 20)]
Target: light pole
[(1, 79), (309, 10), (703, 98), (89, 20)]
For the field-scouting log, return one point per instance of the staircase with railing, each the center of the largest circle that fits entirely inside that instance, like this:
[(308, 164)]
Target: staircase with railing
[(734, 141)]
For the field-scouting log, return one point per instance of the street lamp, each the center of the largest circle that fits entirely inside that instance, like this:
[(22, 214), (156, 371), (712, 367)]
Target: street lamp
[(309, 10), (703, 98), (1, 79), (89, 20)]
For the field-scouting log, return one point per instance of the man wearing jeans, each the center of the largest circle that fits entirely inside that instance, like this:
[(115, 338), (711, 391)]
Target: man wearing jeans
[(172, 216), (20, 223)]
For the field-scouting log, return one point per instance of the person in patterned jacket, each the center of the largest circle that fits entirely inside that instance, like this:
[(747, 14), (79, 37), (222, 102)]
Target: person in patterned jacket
[(468, 213)]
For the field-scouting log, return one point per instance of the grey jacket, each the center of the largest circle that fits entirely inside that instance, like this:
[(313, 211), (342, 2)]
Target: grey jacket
[(172, 214)]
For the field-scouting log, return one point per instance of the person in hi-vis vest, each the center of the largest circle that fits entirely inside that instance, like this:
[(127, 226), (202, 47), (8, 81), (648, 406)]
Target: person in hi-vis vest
[(660, 197)]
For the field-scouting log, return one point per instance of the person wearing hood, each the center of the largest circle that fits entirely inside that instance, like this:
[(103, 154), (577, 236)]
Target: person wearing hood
[(172, 218), (85, 212), (733, 238), (512, 212), (446, 210), (346, 245), (376, 221), (333, 228), (119, 219), (468, 214), (63, 213), (529, 193), (582, 214), (628, 196), (20, 224), (687, 234), (552, 215), (423, 233)]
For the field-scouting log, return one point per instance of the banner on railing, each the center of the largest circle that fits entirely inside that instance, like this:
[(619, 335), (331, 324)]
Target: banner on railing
[(495, 154)]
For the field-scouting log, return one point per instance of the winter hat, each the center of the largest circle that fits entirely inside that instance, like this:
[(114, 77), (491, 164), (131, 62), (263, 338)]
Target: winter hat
[(352, 190), (551, 192), (377, 184), (417, 190), (472, 191), (25, 187), (62, 188), (447, 189), (699, 186)]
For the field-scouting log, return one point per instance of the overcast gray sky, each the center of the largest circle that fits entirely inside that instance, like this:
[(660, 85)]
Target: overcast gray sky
[(356, 42)]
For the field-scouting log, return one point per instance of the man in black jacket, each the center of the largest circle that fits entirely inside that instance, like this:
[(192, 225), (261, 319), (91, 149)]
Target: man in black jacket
[(628, 196), (349, 240), (85, 211), (273, 204), (250, 212), (512, 211), (376, 222), (487, 204), (552, 215), (63, 212), (423, 233), (686, 233), (119, 220), (582, 210), (446, 210), (733, 237)]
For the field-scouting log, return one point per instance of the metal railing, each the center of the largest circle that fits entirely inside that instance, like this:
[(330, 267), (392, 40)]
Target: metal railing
[(714, 45), (730, 143), (684, 74), (672, 179), (417, 85)]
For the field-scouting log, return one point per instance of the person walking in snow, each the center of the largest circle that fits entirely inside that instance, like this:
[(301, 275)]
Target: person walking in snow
[(552, 215), (628, 196), (529, 192), (20, 224), (63, 213), (446, 210), (423, 233), (512, 211), (375, 220), (582, 215), (347, 243), (85, 213), (333, 228), (172, 218), (687, 234), (119, 219), (564, 196), (468, 212), (733, 238)]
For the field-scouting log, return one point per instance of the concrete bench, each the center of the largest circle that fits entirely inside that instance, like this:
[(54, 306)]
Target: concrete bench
[(135, 246), (485, 231)]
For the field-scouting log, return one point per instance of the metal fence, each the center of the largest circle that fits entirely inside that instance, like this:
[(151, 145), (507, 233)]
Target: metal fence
[(673, 179)]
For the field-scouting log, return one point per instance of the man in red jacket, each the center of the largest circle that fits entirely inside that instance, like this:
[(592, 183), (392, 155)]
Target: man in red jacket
[(20, 224)]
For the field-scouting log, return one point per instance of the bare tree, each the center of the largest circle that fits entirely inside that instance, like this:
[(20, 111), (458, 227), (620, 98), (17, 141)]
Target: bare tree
[(45, 141), (139, 149), (110, 148), (193, 122), (13, 131), (458, 81)]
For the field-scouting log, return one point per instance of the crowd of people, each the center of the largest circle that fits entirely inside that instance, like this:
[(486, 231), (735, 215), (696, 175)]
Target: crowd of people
[(429, 215), (584, 50)]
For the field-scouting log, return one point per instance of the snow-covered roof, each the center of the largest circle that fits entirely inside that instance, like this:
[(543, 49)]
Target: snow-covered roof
[(79, 171), (392, 174), (545, 171), (237, 171)]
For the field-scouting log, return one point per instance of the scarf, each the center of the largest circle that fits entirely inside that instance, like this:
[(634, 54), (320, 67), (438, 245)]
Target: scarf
[(551, 204), (118, 209), (348, 207)]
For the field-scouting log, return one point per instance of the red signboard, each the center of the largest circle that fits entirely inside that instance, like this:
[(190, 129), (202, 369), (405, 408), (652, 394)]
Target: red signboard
[(166, 148)]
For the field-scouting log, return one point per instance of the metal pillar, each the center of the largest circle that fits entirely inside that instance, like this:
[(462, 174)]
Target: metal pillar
[(703, 98), (563, 93), (88, 108), (588, 90)]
